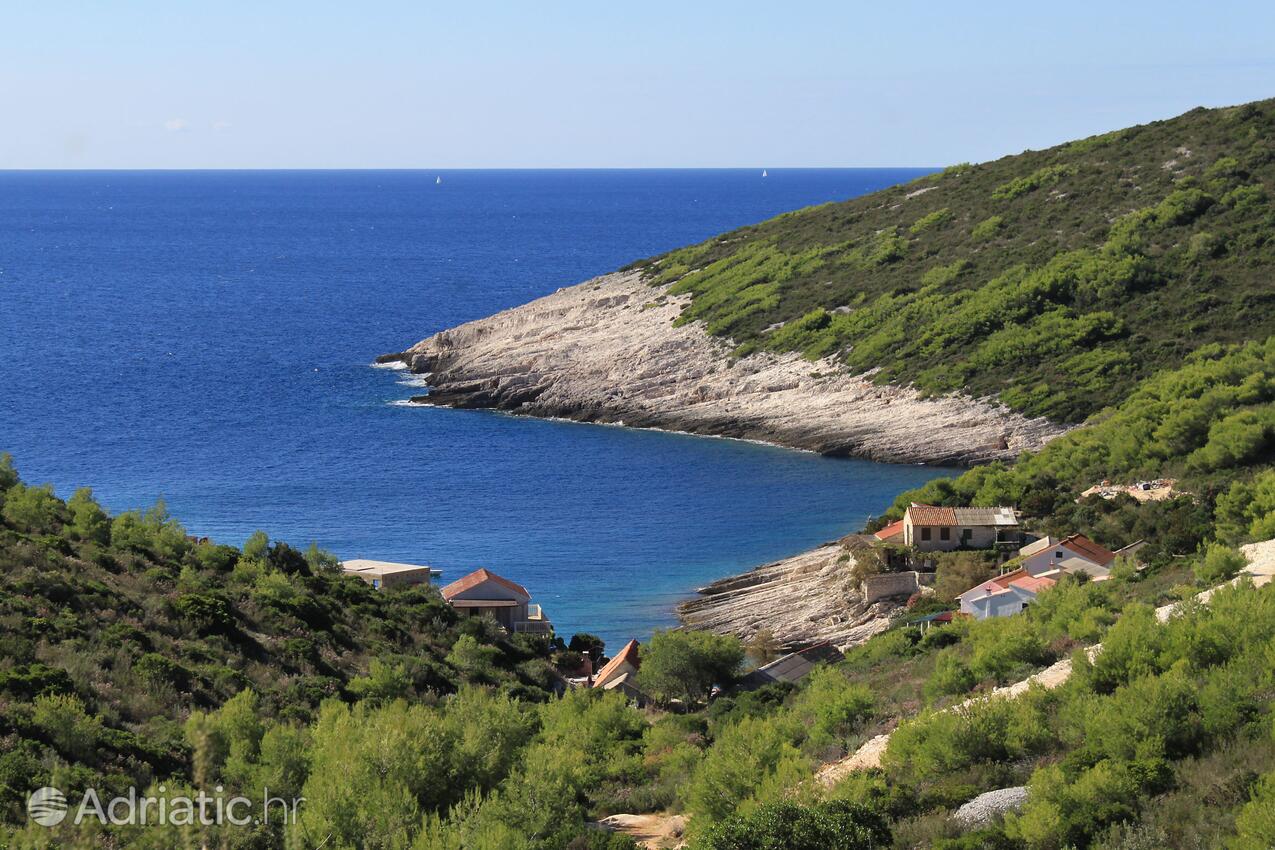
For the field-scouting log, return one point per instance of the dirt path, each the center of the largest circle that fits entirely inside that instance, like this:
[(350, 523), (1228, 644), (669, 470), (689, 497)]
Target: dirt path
[(654, 832)]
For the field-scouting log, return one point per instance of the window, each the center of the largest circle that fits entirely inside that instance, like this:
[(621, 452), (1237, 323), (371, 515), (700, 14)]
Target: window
[(925, 534), (945, 533)]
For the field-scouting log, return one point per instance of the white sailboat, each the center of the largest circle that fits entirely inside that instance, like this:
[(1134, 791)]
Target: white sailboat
[(438, 180), (763, 173)]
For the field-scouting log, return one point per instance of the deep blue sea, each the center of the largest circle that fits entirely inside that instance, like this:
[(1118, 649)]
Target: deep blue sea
[(207, 337)]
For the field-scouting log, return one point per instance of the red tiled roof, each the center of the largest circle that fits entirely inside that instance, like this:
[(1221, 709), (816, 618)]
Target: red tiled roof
[(1086, 548), (892, 530), (930, 515), (478, 577), (1033, 584), (1009, 578), (628, 654), (999, 582)]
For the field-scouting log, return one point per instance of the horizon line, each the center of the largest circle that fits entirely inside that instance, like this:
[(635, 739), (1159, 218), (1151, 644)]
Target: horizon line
[(19, 170)]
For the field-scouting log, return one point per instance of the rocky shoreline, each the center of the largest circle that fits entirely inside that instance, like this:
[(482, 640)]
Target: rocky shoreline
[(810, 598), (608, 351)]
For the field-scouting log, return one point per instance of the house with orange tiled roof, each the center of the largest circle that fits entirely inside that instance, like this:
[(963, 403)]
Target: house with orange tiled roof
[(625, 664), (892, 533), (931, 528), (1073, 554), (482, 593), (620, 674)]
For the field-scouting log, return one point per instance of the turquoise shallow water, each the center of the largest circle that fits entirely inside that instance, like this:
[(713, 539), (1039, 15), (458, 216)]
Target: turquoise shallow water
[(206, 336)]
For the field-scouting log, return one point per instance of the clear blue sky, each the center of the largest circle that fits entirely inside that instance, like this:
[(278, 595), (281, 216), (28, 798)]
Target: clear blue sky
[(274, 83)]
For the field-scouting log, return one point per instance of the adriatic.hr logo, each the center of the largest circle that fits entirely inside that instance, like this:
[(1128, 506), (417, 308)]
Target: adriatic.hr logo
[(47, 806)]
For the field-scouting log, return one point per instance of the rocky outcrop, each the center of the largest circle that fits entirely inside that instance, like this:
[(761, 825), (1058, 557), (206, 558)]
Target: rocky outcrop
[(609, 350), (804, 600), (985, 808)]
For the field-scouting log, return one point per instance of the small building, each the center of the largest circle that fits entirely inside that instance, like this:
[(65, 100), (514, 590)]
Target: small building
[(892, 533), (387, 574), (625, 663), (1074, 554), (1005, 595), (792, 667), (620, 674), (928, 528), (482, 593)]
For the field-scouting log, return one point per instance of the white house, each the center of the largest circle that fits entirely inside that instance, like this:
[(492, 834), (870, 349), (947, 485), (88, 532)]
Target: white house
[(1005, 595), (1074, 554)]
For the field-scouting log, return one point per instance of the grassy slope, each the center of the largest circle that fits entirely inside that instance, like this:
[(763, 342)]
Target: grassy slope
[(1056, 279)]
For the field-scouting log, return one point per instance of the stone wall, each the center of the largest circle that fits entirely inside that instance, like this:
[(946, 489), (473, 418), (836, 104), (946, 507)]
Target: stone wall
[(894, 584)]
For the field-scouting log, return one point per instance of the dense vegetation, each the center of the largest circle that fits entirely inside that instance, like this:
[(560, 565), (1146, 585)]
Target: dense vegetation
[(1124, 279), (1055, 279)]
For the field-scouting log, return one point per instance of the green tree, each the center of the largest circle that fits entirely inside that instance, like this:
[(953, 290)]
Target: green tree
[(383, 682), (256, 545), (686, 664), (1218, 564), (33, 509), (88, 520), (475, 660), (835, 825), (1255, 824)]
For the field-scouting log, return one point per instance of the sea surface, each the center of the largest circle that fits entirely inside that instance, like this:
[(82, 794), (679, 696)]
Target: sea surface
[(207, 337)]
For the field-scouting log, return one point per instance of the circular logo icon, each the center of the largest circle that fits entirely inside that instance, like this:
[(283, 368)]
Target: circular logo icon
[(47, 806)]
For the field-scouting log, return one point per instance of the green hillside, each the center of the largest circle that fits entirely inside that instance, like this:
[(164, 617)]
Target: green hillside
[(117, 632), (1055, 279)]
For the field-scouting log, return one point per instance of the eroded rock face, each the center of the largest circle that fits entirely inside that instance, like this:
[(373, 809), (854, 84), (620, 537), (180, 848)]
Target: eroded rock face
[(607, 351), (804, 600)]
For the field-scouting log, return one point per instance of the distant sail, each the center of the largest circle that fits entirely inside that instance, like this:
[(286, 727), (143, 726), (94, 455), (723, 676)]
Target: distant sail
[(438, 180), (763, 173)]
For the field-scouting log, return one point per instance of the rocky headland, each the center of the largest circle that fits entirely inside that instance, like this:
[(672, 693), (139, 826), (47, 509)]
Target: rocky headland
[(609, 351)]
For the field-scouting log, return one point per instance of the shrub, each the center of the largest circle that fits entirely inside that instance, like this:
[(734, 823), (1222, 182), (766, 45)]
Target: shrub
[(836, 825), (1255, 824), (33, 509), (686, 664), (951, 676), (1047, 176), (929, 220), (744, 758), (88, 520), (1218, 564), (987, 228), (383, 682)]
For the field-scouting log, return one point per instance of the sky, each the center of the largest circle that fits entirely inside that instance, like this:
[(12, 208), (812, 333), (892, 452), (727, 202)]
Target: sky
[(419, 84)]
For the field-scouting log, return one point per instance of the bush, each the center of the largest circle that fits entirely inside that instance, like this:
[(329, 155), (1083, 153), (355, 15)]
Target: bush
[(951, 676), (88, 520), (836, 825), (686, 664), (33, 509), (987, 228), (1255, 824), (1218, 564)]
